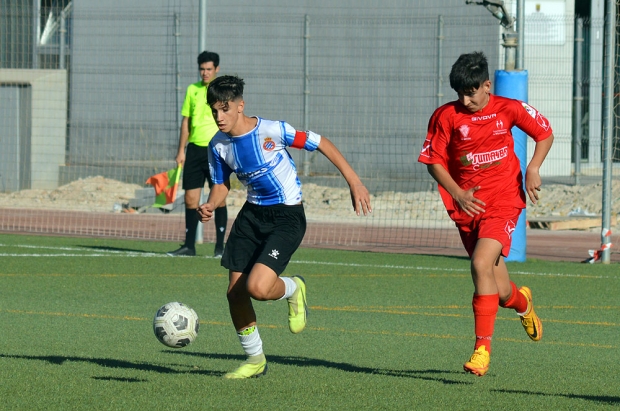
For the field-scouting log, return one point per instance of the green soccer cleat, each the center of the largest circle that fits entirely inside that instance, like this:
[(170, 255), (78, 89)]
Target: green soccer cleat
[(478, 364), (530, 321), (298, 307), (253, 367)]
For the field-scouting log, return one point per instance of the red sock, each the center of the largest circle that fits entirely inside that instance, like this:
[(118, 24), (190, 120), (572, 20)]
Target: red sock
[(485, 311), (517, 301)]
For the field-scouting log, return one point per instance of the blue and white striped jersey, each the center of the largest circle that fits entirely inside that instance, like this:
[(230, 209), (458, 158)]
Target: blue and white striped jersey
[(261, 162)]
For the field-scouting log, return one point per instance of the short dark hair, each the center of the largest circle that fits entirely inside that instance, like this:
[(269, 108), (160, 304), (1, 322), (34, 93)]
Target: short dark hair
[(225, 89), (207, 56), (469, 72)]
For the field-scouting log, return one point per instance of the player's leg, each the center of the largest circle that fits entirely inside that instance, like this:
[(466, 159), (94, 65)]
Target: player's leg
[(192, 197), (529, 320), (484, 303), (502, 279), (483, 262), (520, 300), (264, 284), (244, 319), (240, 257), (284, 228), (193, 181), (509, 295), (220, 219)]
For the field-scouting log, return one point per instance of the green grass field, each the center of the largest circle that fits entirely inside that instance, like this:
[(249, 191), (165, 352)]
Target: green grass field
[(385, 332)]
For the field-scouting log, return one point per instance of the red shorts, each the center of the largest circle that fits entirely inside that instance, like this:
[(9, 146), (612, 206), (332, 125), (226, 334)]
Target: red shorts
[(498, 224)]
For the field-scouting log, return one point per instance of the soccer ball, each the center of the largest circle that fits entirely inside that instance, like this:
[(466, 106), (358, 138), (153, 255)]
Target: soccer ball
[(175, 325)]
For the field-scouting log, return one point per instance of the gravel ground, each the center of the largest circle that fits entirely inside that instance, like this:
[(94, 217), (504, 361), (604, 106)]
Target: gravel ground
[(99, 194)]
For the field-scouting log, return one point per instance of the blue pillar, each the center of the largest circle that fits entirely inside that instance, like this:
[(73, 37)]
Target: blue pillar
[(513, 84)]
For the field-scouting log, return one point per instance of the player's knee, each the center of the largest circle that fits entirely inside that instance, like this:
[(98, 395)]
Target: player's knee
[(481, 267), (192, 198), (258, 291)]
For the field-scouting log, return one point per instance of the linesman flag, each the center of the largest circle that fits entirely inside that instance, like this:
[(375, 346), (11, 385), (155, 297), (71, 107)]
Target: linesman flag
[(166, 185)]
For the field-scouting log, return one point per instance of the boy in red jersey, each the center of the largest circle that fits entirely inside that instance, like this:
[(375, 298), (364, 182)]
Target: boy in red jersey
[(469, 151)]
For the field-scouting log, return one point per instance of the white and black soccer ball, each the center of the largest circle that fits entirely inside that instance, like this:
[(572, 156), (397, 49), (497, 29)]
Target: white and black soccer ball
[(176, 325)]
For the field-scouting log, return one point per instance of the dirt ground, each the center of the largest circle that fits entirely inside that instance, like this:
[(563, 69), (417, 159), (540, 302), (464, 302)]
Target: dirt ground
[(400, 222), (99, 194)]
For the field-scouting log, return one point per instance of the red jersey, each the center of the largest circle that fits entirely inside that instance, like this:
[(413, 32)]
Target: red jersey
[(477, 149)]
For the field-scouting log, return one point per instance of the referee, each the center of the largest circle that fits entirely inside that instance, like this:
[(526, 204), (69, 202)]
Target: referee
[(197, 129)]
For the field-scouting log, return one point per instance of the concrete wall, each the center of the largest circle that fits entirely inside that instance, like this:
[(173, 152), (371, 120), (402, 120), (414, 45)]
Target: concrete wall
[(373, 73), (15, 109), (49, 121)]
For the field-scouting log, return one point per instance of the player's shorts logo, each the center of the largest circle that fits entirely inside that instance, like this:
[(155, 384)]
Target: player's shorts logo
[(510, 228), (269, 144)]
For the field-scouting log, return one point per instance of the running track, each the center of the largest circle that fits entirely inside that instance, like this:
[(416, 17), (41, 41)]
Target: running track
[(569, 246)]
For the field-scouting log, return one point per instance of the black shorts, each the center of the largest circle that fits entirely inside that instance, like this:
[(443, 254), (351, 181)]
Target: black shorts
[(196, 167), (264, 234)]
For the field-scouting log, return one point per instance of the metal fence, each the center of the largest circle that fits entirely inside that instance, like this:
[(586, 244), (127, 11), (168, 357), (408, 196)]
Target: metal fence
[(94, 102)]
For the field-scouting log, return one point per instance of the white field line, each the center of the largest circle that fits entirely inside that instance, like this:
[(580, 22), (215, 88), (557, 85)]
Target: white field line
[(440, 269), (107, 253)]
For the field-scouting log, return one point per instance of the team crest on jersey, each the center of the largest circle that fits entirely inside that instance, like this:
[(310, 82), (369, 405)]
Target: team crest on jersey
[(530, 110), (499, 128), (269, 144), (464, 129)]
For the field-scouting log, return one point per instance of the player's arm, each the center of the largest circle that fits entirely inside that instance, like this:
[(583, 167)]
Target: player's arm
[(465, 198), (183, 137), (535, 125), (532, 174), (359, 194), (217, 197)]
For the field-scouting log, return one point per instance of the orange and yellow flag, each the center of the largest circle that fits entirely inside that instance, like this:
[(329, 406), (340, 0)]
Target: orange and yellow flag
[(166, 185)]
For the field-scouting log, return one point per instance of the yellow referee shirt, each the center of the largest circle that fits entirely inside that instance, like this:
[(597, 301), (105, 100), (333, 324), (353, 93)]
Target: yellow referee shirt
[(195, 107)]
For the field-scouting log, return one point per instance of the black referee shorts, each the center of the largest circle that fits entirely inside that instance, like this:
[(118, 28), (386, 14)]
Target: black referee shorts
[(264, 234), (196, 167)]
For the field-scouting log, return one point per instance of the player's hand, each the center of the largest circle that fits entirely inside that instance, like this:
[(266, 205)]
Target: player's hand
[(532, 184), (470, 204), (360, 199), (180, 159), (205, 212)]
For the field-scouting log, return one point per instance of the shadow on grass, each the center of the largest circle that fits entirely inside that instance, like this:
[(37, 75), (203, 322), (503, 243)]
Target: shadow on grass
[(120, 379), (112, 363), (117, 249), (598, 398), (427, 375)]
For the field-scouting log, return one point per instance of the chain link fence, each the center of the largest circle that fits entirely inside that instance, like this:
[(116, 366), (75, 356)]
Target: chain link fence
[(91, 98)]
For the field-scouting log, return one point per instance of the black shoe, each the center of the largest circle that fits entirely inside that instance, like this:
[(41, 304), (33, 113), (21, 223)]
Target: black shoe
[(183, 251), (219, 251)]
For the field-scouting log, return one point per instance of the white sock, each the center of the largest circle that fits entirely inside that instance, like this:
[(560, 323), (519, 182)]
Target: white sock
[(290, 286), (250, 341)]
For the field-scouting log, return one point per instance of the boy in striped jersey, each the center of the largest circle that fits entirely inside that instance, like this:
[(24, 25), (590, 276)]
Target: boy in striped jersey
[(272, 222)]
